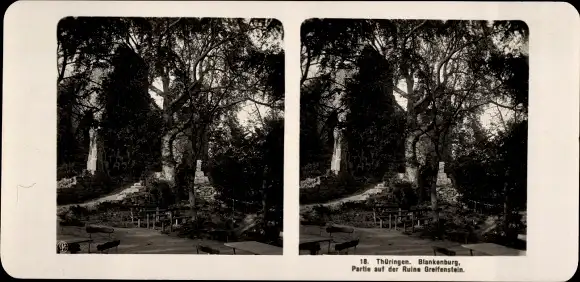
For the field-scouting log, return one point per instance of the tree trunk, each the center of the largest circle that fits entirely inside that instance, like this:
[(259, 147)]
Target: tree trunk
[(93, 150), (335, 161), (192, 203), (193, 185), (433, 191), (506, 210), (167, 163), (198, 147), (434, 203), (412, 165), (265, 206)]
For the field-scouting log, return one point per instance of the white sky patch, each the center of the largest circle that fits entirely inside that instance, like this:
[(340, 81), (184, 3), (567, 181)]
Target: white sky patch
[(402, 101), (158, 99), (251, 115)]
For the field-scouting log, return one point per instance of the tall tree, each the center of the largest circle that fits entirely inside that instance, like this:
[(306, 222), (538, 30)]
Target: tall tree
[(129, 125), (443, 69), (373, 123)]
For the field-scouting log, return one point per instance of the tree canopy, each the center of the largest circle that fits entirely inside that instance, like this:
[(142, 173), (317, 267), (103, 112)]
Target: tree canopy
[(416, 93), (157, 94)]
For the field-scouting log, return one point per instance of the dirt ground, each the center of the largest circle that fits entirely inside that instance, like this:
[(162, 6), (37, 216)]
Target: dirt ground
[(377, 241), (142, 241)]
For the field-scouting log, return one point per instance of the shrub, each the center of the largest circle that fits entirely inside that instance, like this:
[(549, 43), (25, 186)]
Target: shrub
[(87, 188), (67, 170), (310, 170), (73, 216), (404, 194), (513, 227), (508, 236), (65, 183), (137, 199), (332, 187), (455, 223), (109, 206), (162, 193)]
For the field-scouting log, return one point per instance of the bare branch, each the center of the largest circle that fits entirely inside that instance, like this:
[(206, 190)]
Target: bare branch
[(401, 92), (411, 32), (157, 91)]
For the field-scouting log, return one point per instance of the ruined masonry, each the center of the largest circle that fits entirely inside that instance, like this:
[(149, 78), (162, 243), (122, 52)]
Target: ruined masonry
[(204, 189), (445, 190)]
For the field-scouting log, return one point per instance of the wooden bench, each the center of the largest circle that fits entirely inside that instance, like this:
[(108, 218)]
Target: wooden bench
[(458, 236), (105, 247), (339, 229), (103, 230), (320, 224), (208, 250), (443, 251), (346, 246), (306, 239), (312, 247)]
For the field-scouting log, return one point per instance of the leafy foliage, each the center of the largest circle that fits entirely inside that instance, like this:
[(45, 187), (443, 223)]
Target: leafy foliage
[(445, 75), (333, 187), (131, 129), (373, 127), (482, 174), (204, 70), (250, 167), (87, 187)]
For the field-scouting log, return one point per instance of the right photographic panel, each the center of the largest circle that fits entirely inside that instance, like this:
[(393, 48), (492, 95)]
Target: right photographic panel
[(413, 137)]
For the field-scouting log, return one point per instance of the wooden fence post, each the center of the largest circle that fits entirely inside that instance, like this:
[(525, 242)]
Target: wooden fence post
[(390, 221), (170, 221), (139, 222), (147, 220)]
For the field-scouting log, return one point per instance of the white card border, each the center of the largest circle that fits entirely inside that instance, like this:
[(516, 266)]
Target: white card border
[(29, 144)]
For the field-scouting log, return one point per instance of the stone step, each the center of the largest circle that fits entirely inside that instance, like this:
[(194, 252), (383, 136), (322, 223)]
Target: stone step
[(131, 190)]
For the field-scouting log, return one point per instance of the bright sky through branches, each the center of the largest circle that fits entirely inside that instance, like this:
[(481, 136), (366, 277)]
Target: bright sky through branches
[(250, 113)]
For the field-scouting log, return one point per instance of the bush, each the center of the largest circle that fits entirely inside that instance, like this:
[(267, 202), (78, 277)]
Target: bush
[(67, 170), (310, 170), (455, 224), (109, 206), (357, 214), (332, 188), (86, 188), (404, 194), (161, 192), (508, 236), (137, 199), (64, 183), (73, 216)]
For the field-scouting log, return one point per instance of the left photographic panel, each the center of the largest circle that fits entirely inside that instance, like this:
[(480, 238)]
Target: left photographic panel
[(170, 135)]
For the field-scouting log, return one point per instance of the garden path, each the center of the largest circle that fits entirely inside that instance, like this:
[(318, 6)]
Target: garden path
[(373, 190), (118, 195)]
